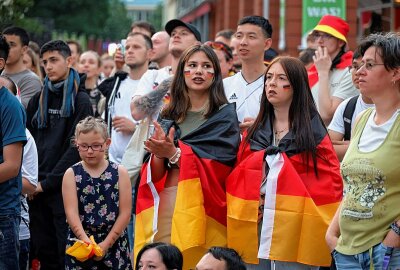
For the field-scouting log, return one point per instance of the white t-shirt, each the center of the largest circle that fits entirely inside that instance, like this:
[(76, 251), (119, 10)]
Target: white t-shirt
[(151, 79), (340, 83), (121, 107), (29, 170), (373, 135), (337, 123), (246, 95)]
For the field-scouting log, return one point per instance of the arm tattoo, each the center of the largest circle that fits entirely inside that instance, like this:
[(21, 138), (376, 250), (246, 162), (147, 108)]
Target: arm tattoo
[(151, 103)]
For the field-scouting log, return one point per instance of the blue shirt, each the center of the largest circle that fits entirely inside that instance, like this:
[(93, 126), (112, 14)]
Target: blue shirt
[(12, 130)]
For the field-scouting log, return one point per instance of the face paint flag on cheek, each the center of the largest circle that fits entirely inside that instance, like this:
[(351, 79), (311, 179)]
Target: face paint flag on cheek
[(210, 74), (186, 73), (287, 86)]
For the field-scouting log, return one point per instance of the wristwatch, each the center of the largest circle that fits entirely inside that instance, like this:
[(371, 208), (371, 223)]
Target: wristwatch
[(395, 227)]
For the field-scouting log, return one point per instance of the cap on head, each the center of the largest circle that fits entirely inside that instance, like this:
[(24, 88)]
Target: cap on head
[(269, 55), (333, 26), (172, 24)]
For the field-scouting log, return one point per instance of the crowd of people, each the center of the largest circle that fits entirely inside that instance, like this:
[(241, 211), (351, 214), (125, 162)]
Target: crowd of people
[(223, 155)]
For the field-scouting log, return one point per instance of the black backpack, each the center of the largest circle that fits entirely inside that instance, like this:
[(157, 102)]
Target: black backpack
[(347, 116)]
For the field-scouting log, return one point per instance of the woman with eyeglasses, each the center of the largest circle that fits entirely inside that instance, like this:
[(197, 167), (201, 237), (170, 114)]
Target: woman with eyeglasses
[(181, 196), (365, 232), (97, 201), (286, 185), (329, 80)]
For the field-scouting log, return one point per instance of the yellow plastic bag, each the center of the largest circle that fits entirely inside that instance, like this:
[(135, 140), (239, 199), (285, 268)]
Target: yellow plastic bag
[(83, 250)]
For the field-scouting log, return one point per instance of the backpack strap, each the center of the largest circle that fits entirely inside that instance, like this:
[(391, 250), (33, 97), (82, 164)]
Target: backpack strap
[(348, 116)]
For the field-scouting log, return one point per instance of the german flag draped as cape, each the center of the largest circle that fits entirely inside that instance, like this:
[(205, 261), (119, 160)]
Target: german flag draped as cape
[(199, 219), (345, 61), (298, 205)]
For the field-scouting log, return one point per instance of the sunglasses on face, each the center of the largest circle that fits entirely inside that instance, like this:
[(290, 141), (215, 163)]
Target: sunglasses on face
[(221, 47)]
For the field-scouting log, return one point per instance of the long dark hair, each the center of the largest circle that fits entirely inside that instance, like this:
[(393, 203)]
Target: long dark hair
[(180, 102), (171, 256), (301, 110)]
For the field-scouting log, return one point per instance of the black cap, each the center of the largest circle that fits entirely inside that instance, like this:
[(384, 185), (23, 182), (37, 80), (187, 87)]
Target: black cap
[(269, 55), (172, 24)]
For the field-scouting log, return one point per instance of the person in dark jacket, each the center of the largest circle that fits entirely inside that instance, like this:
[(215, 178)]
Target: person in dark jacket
[(52, 115)]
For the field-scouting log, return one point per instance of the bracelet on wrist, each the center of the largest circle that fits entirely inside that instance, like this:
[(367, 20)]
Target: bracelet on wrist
[(395, 228), (175, 157)]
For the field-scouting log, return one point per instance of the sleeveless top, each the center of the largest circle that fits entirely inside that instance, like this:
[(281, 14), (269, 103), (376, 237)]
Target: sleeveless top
[(98, 197), (372, 190)]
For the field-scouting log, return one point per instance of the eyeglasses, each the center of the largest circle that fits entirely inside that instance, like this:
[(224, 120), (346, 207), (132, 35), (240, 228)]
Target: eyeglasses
[(323, 36), (353, 67), (94, 147), (368, 65), (220, 46)]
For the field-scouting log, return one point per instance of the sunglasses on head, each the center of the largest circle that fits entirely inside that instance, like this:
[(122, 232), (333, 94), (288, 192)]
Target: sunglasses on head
[(220, 46)]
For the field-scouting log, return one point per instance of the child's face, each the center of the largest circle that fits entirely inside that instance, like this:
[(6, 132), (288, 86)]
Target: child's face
[(107, 67), (92, 147)]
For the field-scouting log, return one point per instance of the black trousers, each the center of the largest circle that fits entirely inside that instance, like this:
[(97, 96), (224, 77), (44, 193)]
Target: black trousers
[(48, 228)]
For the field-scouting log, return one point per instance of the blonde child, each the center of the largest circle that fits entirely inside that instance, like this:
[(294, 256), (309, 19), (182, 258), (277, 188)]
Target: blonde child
[(97, 199)]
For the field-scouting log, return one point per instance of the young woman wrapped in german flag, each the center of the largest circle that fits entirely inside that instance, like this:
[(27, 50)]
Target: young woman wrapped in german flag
[(286, 185), (181, 196)]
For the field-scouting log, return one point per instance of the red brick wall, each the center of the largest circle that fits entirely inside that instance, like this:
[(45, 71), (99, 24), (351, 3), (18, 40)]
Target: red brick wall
[(226, 13)]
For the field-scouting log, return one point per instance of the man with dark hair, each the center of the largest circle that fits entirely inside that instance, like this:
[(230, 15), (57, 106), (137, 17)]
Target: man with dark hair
[(143, 27), (245, 87), (76, 51), (28, 82), (53, 114), (221, 258), (12, 140)]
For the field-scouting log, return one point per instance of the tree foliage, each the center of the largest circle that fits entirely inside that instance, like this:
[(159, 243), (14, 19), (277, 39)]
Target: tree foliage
[(99, 18), (117, 24), (13, 11), (157, 17)]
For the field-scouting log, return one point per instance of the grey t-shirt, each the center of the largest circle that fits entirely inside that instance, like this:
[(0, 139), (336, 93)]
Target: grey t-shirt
[(28, 83), (192, 121)]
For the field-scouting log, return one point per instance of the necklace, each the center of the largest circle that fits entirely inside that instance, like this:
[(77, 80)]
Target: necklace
[(277, 137), (277, 132)]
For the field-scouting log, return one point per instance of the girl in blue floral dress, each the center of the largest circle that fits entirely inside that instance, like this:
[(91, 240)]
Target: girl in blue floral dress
[(97, 200)]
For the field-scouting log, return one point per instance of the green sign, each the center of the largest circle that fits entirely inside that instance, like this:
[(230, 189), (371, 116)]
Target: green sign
[(313, 10)]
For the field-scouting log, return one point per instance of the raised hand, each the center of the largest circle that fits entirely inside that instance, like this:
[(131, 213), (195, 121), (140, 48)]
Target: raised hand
[(160, 144), (322, 60)]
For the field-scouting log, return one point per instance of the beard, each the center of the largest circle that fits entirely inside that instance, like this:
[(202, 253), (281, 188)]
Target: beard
[(135, 65)]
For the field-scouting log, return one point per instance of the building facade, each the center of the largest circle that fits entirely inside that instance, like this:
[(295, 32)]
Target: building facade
[(141, 10), (288, 18)]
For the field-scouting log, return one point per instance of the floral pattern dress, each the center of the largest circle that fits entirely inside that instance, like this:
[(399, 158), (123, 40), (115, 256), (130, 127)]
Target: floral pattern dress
[(98, 203)]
